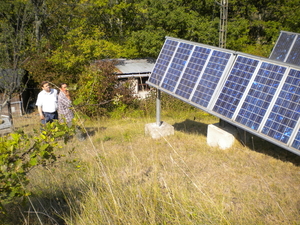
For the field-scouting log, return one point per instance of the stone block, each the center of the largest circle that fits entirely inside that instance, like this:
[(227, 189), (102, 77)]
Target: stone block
[(222, 137), (156, 131)]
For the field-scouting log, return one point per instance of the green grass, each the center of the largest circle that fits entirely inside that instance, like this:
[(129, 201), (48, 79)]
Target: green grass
[(120, 176)]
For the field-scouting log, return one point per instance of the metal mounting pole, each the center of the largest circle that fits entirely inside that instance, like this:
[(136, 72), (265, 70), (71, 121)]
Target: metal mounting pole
[(223, 23), (158, 106), (223, 33)]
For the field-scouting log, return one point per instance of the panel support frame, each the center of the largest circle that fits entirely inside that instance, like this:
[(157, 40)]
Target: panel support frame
[(158, 107)]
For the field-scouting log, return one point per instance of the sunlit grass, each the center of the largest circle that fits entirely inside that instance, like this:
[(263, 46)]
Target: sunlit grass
[(118, 175)]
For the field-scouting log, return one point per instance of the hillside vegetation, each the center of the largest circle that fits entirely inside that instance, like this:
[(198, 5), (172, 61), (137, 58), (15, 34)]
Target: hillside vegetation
[(120, 176), (56, 40)]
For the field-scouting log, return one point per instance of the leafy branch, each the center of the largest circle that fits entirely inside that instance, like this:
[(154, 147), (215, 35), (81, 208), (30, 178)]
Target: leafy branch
[(21, 152)]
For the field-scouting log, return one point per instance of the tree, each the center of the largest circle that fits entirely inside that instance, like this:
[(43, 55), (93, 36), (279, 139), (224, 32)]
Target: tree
[(15, 38), (14, 41), (254, 25), (57, 39), (182, 19), (290, 19), (12, 81), (81, 47)]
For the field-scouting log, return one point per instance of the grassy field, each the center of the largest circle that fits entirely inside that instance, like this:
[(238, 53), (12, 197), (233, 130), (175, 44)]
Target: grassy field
[(120, 176)]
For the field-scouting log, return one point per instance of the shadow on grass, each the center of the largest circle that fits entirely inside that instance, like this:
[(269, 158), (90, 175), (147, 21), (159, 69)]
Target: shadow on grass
[(191, 127), (91, 131), (251, 141), (46, 209), (260, 145)]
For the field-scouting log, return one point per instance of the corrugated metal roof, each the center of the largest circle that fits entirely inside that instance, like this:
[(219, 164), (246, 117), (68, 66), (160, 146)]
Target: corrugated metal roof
[(134, 66)]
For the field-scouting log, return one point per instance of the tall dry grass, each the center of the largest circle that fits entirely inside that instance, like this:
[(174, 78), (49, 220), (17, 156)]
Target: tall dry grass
[(120, 176)]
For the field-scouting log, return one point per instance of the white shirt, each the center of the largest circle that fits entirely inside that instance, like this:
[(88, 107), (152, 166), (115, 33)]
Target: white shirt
[(47, 100)]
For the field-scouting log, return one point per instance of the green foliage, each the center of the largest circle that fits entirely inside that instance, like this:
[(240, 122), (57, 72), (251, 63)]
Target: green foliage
[(41, 69), (99, 91), (121, 109), (238, 34), (203, 25), (147, 42), (95, 89), (21, 152), (55, 40), (290, 20), (82, 45)]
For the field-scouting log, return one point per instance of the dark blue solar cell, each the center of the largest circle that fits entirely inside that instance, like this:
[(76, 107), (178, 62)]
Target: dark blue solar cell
[(296, 142), (282, 46), (192, 71), (284, 111), (294, 56), (235, 85), (177, 66), (162, 62), (210, 78), (260, 96)]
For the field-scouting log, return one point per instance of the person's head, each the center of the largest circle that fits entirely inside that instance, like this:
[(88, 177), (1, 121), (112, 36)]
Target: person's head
[(63, 87), (45, 86)]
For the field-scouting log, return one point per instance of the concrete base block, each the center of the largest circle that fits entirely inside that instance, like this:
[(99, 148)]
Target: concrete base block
[(5, 126), (222, 137), (156, 131)]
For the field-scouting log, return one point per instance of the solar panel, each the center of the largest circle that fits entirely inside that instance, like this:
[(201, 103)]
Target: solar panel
[(163, 61), (256, 94), (294, 56), (260, 95), (287, 48), (285, 112), (177, 65), (282, 46), (235, 86), (192, 71), (211, 77)]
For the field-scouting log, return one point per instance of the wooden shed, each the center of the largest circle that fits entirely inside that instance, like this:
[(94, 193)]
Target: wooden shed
[(138, 70)]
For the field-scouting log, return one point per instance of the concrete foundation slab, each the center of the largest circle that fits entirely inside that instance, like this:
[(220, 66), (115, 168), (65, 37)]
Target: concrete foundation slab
[(156, 131), (222, 137)]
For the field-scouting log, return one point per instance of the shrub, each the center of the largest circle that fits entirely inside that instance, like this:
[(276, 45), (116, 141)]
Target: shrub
[(21, 152), (100, 92)]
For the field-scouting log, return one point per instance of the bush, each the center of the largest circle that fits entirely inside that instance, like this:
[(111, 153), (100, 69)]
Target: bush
[(100, 92), (21, 152)]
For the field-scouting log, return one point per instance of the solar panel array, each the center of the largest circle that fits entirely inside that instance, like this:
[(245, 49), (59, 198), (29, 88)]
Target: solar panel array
[(256, 94), (287, 48)]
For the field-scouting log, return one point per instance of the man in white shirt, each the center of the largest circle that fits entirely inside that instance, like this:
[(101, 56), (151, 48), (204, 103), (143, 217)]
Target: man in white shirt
[(47, 103)]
